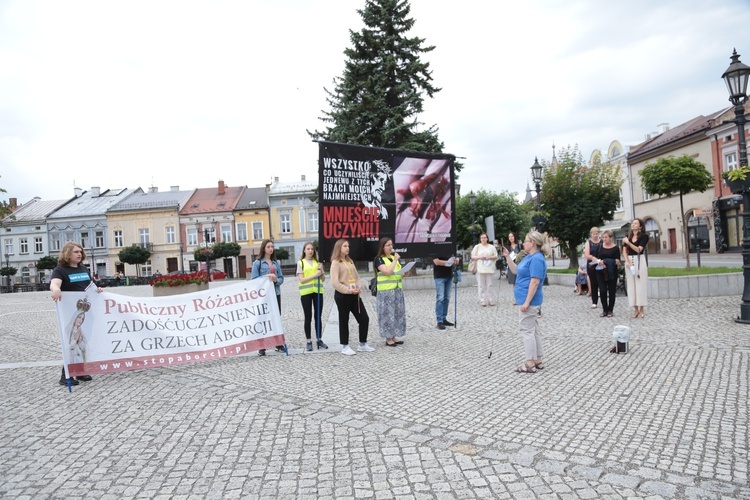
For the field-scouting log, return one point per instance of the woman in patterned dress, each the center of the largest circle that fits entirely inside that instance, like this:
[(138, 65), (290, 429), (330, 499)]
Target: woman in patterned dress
[(391, 306)]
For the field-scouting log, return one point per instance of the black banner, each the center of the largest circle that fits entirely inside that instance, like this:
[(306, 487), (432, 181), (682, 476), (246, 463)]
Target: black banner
[(366, 193)]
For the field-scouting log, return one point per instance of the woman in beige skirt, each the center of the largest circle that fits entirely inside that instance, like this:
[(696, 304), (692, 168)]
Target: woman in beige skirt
[(636, 269)]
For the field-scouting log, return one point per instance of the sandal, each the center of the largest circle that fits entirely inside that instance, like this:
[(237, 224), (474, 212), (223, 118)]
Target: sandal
[(603, 315), (540, 366), (524, 368), (609, 315)]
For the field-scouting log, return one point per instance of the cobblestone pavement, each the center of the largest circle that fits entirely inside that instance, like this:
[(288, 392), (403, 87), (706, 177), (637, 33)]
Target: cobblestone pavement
[(434, 418)]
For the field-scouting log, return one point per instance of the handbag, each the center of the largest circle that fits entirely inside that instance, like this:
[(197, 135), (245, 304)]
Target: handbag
[(374, 286), (473, 267)]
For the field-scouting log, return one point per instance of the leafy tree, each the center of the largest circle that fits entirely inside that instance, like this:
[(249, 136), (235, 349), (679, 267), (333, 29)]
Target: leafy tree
[(46, 263), (509, 215), (670, 176), (226, 249), (134, 255), (381, 92), (282, 253), (575, 197), (8, 271), (4, 207)]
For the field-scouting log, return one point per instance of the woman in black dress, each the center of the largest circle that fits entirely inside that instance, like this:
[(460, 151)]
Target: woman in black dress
[(607, 260), (589, 251)]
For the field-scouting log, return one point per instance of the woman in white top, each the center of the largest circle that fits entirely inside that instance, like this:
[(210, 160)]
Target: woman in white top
[(485, 256)]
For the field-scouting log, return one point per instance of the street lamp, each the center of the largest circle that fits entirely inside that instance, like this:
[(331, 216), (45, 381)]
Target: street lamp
[(472, 201), (7, 265), (736, 77), (206, 239), (536, 174), (538, 220)]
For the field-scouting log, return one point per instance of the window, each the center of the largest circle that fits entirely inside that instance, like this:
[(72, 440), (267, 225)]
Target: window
[(192, 236), (312, 221), (646, 196), (9, 247), (170, 234), (118, 238), (85, 240), (257, 230), (99, 239), (24, 243), (730, 161), (38, 245), (286, 223), (241, 228), (143, 236), (619, 202), (146, 269), (54, 241), (226, 232)]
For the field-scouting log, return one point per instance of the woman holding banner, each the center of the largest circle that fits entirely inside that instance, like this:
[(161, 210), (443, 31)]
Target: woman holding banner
[(267, 265), (70, 276), (310, 277), (348, 286)]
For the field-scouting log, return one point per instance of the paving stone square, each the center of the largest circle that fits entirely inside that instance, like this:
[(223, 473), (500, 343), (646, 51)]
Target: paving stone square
[(437, 417)]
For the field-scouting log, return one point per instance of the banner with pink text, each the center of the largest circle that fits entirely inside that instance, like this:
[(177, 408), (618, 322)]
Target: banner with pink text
[(108, 332)]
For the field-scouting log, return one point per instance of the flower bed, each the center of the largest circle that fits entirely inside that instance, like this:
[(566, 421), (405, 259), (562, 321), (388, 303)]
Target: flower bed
[(173, 280)]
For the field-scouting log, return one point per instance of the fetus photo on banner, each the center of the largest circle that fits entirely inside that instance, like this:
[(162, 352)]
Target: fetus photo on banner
[(108, 332), (367, 193)]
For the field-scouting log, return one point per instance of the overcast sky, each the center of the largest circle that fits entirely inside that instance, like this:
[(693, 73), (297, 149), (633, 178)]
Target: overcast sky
[(162, 93)]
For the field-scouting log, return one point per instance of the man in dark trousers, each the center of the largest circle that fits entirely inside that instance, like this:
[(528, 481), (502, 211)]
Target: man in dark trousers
[(442, 272)]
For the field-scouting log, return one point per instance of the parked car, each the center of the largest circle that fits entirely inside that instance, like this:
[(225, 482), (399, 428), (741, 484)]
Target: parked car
[(218, 275)]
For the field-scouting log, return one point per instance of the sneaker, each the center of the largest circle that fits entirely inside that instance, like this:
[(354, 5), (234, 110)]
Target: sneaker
[(308, 347), (365, 348), (593, 306), (484, 304), (322, 345), (492, 303), (441, 326), (348, 351), (72, 381), (280, 348), (85, 378), (448, 323), (262, 352)]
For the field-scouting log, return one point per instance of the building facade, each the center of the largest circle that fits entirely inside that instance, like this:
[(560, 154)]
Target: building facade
[(294, 215), (661, 214)]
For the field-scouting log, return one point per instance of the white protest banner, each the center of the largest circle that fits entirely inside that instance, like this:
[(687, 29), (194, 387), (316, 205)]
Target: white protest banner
[(107, 332)]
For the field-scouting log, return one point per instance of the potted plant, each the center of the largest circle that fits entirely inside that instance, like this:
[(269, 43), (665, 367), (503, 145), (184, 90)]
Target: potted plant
[(174, 284), (737, 179)]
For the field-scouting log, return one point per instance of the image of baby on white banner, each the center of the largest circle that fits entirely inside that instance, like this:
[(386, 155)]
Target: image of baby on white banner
[(107, 332)]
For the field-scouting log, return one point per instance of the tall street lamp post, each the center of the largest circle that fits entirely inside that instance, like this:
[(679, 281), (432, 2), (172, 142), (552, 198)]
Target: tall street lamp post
[(7, 264), (536, 174), (539, 220), (206, 239), (472, 201), (736, 77)]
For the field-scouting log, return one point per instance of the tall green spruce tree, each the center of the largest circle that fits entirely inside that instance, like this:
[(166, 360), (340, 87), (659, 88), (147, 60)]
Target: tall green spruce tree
[(378, 97)]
